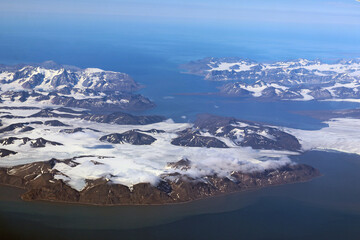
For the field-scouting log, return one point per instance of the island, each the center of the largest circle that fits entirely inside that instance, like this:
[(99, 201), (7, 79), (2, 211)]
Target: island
[(66, 138), (70, 86), (300, 80)]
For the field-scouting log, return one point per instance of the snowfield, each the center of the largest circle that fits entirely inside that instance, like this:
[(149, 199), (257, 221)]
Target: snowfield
[(296, 80), (131, 164)]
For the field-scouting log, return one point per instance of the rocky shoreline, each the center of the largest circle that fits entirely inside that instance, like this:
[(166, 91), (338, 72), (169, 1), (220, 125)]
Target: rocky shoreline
[(102, 155), (40, 184)]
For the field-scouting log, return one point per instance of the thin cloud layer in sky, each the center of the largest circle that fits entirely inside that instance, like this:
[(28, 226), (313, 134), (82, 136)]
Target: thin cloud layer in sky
[(306, 11)]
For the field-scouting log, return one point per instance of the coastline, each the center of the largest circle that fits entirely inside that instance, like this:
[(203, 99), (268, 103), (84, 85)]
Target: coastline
[(221, 194)]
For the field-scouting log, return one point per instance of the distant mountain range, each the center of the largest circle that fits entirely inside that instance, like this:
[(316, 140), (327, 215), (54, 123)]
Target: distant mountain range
[(70, 86), (300, 79)]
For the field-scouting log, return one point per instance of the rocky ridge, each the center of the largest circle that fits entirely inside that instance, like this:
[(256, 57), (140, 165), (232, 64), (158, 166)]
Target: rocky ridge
[(41, 182), (300, 79), (208, 130), (52, 83), (141, 152)]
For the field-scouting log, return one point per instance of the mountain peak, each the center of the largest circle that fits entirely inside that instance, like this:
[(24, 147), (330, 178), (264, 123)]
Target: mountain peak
[(50, 64)]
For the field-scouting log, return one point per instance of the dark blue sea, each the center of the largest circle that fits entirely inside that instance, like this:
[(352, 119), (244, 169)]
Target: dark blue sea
[(326, 208)]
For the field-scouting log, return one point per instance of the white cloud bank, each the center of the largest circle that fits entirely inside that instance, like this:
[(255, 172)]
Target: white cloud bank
[(128, 164)]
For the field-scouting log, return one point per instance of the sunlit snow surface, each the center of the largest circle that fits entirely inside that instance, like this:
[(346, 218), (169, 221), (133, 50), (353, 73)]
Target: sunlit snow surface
[(131, 164), (80, 80), (300, 79), (342, 134), (317, 67)]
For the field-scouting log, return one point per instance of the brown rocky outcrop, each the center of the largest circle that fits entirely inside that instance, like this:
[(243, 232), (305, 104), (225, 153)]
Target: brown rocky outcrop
[(40, 184)]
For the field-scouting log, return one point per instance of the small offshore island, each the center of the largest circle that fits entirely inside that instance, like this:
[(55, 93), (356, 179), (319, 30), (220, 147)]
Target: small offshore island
[(64, 138)]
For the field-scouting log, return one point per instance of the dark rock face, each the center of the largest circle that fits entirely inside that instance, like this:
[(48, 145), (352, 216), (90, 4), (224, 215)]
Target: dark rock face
[(233, 90), (133, 137), (26, 129), (280, 141), (11, 117), (41, 142), (48, 113), (320, 94), (97, 89), (23, 175), (183, 164), (190, 138), (11, 140), (12, 180), (70, 76), (38, 179), (22, 126), (55, 123), (111, 100), (5, 152), (109, 81), (71, 111), (33, 81), (241, 133), (123, 119), (343, 92), (64, 78), (285, 80), (291, 95), (21, 96), (35, 143), (75, 130), (295, 70), (155, 131), (105, 193), (269, 92), (119, 118), (20, 107), (134, 102), (186, 189), (102, 192), (238, 89)]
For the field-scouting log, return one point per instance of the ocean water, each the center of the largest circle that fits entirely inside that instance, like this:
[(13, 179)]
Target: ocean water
[(152, 52), (325, 208)]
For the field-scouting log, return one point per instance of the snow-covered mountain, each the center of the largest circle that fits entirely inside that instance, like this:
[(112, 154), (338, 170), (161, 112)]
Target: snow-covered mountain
[(68, 155), (300, 79), (260, 89), (51, 79), (52, 83), (287, 72)]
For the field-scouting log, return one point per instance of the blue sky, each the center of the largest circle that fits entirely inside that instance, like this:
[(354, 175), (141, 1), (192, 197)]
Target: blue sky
[(227, 11), (73, 31)]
